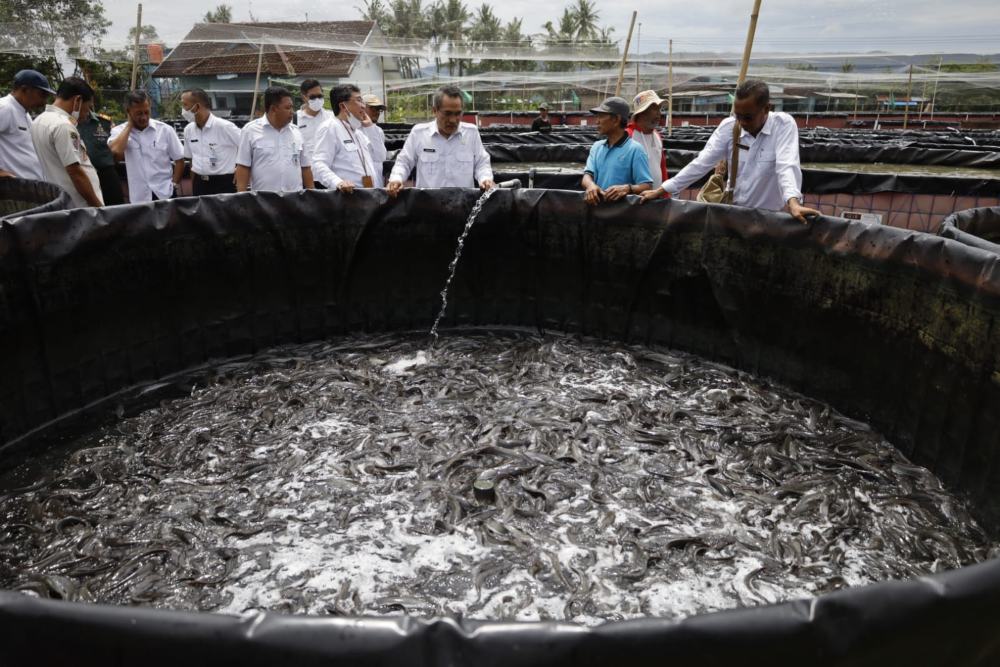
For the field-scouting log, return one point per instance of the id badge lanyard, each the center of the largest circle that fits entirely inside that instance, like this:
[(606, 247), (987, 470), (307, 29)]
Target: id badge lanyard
[(366, 181)]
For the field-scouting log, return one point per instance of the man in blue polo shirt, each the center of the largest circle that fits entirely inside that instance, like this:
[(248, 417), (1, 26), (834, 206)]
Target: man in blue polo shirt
[(617, 166)]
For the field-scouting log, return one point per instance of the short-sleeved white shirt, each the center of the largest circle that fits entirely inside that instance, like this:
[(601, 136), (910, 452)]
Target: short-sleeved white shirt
[(343, 153), (58, 145), (457, 161), (149, 160), (309, 125), (17, 152), (212, 148), (275, 157)]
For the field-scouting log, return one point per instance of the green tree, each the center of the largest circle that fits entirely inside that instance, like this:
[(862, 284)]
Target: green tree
[(31, 32), (485, 28), (585, 14), (846, 67), (222, 14)]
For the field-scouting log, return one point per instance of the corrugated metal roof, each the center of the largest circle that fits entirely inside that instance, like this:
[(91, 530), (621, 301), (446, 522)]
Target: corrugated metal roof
[(218, 48)]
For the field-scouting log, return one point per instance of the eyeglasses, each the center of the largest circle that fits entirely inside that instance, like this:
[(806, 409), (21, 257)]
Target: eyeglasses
[(450, 114), (316, 97), (747, 117)]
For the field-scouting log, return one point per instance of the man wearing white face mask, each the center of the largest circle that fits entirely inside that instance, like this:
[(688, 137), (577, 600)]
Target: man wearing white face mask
[(312, 115), (346, 157), (59, 147), (210, 143)]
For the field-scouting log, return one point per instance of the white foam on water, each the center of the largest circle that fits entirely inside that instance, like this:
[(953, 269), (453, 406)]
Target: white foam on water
[(403, 365)]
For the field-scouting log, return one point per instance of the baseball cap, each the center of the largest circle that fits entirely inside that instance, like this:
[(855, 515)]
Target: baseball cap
[(543, 106), (644, 100), (613, 105), (29, 77), (372, 101)]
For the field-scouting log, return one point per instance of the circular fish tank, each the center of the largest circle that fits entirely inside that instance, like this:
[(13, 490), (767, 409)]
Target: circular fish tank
[(592, 371), (23, 197)]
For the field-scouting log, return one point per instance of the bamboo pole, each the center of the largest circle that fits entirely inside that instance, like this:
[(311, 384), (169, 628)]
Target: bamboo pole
[(628, 43), (909, 97), (934, 95), (734, 162), (670, 90), (638, 47), (857, 95), (256, 83), (135, 53)]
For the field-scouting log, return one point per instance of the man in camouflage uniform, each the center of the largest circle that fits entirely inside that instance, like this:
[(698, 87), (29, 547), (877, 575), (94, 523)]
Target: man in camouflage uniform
[(95, 130)]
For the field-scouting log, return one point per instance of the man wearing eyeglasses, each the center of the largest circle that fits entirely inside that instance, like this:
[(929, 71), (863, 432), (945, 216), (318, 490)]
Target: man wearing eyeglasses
[(311, 116), (769, 174), (446, 152)]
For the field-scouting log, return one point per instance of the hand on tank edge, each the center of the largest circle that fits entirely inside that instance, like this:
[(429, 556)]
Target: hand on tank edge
[(616, 192), (649, 195), (346, 187), (393, 188), (486, 184), (799, 212), (6, 174), (593, 195)]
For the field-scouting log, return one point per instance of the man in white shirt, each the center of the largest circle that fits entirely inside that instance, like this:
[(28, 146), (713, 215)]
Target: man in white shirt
[(17, 153), (446, 152), (210, 143), (272, 156), (347, 154), (153, 155), (59, 147), (312, 115), (769, 174)]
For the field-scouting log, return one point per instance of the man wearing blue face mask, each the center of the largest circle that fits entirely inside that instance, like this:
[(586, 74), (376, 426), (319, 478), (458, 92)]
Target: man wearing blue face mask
[(210, 143), (61, 150)]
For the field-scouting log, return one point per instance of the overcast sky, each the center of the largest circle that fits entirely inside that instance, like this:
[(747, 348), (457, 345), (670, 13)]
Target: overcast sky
[(898, 26)]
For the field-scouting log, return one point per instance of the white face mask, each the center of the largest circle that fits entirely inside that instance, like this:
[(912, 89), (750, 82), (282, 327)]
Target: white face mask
[(355, 123), (75, 115), (316, 105), (188, 115)]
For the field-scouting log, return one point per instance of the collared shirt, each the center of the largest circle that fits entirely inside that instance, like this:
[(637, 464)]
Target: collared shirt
[(59, 145), (625, 163), (343, 153), (17, 152), (212, 148), (149, 160), (95, 132), (275, 157), (768, 174), (458, 161), (309, 125)]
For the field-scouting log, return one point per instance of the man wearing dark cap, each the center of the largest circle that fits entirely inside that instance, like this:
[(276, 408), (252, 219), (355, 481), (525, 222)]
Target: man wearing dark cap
[(617, 165), (542, 123), (18, 158), (95, 129)]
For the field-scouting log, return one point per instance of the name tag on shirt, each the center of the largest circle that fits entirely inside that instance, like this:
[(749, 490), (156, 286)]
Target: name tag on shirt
[(23, 129), (430, 150)]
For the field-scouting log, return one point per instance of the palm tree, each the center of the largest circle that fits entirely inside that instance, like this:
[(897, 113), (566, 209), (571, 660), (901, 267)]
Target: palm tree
[(586, 15), (486, 27)]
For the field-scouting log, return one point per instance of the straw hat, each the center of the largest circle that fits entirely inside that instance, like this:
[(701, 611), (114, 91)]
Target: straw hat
[(644, 100), (373, 101)]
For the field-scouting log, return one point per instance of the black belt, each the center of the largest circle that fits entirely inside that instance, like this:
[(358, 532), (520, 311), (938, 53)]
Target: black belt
[(214, 177)]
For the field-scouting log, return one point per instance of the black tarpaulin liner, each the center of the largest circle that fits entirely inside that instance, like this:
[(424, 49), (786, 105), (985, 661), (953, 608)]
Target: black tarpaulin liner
[(894, 327), (977, 227), (22, 197)]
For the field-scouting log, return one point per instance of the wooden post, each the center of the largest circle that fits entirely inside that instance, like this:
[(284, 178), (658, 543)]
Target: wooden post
[(135, 53), (670, 89), (628, 43), (857, 93), (638, 46), (923, 99), (734, 162), (256, 83), (909, 97)]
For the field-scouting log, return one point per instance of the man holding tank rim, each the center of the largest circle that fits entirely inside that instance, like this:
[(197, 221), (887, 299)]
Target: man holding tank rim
[(769, 174), (446, 152)]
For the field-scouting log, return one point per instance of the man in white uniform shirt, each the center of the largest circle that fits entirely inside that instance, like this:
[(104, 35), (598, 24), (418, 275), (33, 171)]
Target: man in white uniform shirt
[(272, 156), (769, 174), (17, 152), (210, 143), (347, 155), (153, 155), (446, 152), (59, 147), (312, 115)]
